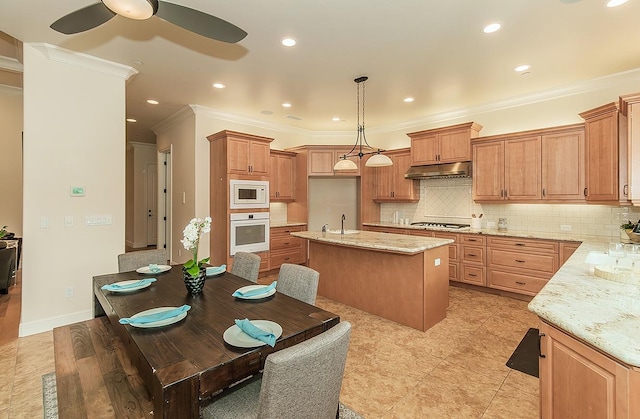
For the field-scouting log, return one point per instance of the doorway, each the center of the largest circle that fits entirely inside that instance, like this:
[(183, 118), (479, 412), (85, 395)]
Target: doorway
[(164, 201)]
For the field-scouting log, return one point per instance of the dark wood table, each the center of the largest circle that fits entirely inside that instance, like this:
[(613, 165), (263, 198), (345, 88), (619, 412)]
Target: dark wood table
[(187, 362)]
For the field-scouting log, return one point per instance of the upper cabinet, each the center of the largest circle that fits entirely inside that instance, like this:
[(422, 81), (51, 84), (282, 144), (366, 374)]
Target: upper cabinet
[(245, 154), (321, 159), (630, 136), (530, 166), (603, 162), (443, 145), (282, 179), (390, 183)]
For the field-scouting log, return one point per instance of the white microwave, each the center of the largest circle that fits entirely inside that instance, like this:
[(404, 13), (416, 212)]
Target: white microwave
[(248, 194)]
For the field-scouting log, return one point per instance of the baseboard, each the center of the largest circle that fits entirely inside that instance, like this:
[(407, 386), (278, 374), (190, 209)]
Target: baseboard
[(45, 325), (129, 243)]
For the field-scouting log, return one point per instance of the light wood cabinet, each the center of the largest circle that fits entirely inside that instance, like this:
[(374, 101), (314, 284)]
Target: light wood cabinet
[(443, 145), (390, 183), (282, 179), (321, 160), (630, 145), (566, 250), (454, 249), (473, 259), (284, 248), (247, 154), (578, 381), (544, 165), (601, 154), (391, 230)]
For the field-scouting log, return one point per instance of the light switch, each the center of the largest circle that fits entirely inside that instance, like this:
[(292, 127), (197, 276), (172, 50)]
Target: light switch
[(44, 222)]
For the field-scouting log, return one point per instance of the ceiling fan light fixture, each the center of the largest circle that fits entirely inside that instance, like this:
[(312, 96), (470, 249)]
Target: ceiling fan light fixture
[(133, 9), (379, 160)]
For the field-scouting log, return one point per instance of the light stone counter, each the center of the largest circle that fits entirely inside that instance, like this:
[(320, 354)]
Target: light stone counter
[(286, 224), (601, 312), (399, 243)]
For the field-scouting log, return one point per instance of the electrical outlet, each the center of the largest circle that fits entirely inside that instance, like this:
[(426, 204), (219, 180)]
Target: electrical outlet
[(491, 224), (565, 227), (437, 262), (68, 292)]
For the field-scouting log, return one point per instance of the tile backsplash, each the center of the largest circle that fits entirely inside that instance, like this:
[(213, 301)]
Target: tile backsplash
[(450, 200)]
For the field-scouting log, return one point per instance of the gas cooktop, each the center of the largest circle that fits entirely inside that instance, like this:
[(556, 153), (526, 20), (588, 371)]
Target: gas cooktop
[(450, 226)]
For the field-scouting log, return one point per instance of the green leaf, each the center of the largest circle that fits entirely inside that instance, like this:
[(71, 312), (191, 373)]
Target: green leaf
[(193, 270), (189, 264)]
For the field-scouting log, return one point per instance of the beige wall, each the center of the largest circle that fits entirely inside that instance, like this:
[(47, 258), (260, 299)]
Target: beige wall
[(11, 159), (74, 131)]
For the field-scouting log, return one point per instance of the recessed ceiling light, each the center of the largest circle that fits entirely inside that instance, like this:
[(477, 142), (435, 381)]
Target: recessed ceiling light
[(266, 112), (219, 85), (493, 27), (286, 105), (131, 120), (288, 42), (615, 3), (336, 119), (408, 99), (152, 102), (523, 67)]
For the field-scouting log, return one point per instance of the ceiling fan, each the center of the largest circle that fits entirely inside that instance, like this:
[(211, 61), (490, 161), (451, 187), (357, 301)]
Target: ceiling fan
[(192, 20)]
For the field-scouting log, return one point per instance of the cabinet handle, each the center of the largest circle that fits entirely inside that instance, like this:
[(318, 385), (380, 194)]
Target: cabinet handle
[(521, 283), (544, 192), (287, 258), (520, 261), (506, 193), (520, 244), (473, 275), (540, 335), (472, 240), (585, 191), (501, 193), (472, 255), (625, 190)]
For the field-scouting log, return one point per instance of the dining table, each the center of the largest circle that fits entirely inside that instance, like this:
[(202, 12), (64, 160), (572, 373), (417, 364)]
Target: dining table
[(185, 362)]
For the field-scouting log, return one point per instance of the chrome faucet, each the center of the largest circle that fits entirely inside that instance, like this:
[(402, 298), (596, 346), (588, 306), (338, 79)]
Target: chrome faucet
[(324, 230), (342, 227)]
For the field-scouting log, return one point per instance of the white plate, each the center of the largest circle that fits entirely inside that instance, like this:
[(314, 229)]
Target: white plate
[(258, 296), (236, 337), (216, 270), (125, 283), (147, 271), (159, 323)]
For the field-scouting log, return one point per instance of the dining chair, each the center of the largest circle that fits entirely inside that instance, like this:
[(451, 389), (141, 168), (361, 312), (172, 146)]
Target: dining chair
[(299, 282), (302, 381), (131, 261), (246, 265), (7, 267)]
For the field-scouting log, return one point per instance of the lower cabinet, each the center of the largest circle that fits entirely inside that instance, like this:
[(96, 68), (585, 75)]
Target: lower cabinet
[(284, 248), (577, 381), (474, 259)]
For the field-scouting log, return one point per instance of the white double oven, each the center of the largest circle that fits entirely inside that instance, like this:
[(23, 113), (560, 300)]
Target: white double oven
[(249, 229)]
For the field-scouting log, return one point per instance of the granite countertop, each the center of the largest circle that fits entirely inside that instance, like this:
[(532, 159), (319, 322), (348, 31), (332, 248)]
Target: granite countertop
[(601, 312), (398, 243), (286, 224)]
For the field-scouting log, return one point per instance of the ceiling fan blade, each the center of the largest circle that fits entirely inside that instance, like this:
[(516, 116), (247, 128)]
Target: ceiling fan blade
[(200, 23), (83, 19)]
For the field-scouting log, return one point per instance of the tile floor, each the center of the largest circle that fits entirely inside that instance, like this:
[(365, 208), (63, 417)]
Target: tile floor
[(454, 370)]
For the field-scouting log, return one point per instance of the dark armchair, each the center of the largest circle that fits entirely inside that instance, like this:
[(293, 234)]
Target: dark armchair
[(7, 267)]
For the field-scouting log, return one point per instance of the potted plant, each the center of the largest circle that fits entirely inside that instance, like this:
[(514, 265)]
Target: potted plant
[(194, 270), (3, 231), (631, 230)]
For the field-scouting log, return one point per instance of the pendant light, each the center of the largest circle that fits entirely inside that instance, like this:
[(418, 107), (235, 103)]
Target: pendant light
[(362, 148), (133, 9)]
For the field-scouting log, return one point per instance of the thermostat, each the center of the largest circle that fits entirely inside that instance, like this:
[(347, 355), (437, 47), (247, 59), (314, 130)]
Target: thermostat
[(77, 191)]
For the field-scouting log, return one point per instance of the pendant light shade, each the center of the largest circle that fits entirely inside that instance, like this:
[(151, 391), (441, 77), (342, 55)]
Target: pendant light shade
[(379, 160), (362, 148), (133, 9)]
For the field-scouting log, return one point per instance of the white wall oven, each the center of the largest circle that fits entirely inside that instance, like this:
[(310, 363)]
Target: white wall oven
[(249, 232), (248, 194)]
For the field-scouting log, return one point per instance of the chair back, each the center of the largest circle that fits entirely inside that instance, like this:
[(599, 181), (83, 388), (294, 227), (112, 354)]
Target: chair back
[(131, 261), (7, 267), (299, 282), (304, 380), (246, 265)]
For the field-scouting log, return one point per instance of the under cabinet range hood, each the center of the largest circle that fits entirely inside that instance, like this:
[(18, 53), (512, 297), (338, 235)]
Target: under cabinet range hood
[(439, 171)]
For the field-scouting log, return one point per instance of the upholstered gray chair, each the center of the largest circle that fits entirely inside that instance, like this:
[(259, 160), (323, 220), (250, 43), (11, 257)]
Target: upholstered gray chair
[(302, 381), (246, 265), (299, 282), (7, 267), (131, 261)]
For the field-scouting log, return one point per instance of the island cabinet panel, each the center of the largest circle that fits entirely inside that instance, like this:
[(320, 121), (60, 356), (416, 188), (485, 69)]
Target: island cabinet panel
[(577, 381), (443, 145), (284, 248), (454, 249), (390, 183), (282, 179)]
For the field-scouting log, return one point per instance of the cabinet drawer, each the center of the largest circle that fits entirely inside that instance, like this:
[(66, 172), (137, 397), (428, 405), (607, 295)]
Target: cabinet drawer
[(453, 236), (473, 275), (524, 245), (264, 261), (289, 256), (285, 242), (509, 281), (423, 233), (473, 254), (538, 264), (453, 272), (473, 239), (284, 231)]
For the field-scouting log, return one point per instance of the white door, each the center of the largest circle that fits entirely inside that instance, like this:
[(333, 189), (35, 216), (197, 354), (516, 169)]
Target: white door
[(152, 204)]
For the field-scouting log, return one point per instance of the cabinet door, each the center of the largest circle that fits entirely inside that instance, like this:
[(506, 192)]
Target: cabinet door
[(402, 188), (455, 146), (384, 182), (601, 153), (258, 158), (563, 166), (577, 381), (488, 171), (424, 150), (633, 142), (522, 169), (274, 178), (238, 156), (282, 178), (321, 163)]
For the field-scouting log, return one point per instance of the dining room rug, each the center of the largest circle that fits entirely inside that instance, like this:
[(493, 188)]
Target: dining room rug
[(50, 400), (526, 356), (49, 396)]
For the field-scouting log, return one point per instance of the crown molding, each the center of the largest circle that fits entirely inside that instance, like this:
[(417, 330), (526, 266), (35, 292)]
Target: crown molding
[(63, 55), (11, 64), (176, 117)]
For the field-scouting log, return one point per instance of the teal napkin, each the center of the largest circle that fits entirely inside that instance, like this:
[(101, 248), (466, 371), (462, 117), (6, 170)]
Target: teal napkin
[(117, 287), (154, 268), (255, 291), (215, 270), (155, 317), (255, 332)]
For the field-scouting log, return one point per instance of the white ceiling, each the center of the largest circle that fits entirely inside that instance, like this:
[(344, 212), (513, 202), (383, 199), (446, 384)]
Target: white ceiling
[(434, 51)]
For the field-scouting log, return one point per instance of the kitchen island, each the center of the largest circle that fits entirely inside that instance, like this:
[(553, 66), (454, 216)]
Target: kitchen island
[(399, 277)]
